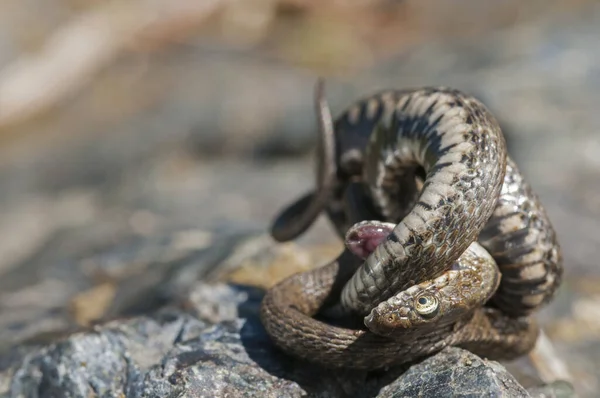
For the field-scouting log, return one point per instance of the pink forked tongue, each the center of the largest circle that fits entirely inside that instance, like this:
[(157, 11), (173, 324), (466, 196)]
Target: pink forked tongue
[(363, 240)]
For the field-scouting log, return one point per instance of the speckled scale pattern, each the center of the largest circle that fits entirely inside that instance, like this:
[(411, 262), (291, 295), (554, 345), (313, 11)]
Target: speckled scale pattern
[(520, 237), (462, 150), (288, 307), (471, 191)]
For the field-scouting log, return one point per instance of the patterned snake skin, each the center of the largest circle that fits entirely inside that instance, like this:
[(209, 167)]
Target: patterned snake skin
[(433, 161)]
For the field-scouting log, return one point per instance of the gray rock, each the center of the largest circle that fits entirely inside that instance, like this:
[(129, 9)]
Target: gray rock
[(455, 373), (170, 353), (212, 344), (62, 288)]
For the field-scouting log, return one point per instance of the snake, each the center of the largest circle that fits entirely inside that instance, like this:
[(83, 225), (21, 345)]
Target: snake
[(424, 175)]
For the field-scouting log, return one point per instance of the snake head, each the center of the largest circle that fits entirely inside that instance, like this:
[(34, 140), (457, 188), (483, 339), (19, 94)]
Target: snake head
[(468, 284), (405, 312)]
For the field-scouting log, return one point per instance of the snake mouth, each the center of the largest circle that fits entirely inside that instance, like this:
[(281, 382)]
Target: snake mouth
[(386, 324), (364, 237), (371, 324)]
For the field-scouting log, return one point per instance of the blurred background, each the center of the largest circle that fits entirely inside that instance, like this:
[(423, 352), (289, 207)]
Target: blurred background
[(126, 125)]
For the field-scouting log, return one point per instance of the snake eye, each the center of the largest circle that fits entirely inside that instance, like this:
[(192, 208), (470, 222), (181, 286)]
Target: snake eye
[(427, 306)]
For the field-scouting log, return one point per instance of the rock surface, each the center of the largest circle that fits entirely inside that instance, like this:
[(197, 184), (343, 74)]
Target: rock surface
[(455, 373), (209, 342)]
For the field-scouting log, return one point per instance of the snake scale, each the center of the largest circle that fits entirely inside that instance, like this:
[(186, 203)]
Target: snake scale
[(433, 163)]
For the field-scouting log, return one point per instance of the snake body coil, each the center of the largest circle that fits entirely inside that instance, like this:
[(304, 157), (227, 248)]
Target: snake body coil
[(287, 311), (433, 161)]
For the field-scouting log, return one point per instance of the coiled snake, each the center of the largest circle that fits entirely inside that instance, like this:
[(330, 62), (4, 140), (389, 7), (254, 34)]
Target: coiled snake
[(432, 162)]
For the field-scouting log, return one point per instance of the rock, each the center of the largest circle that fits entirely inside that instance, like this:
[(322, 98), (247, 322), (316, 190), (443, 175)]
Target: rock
[(173, 352), (208, 342), (455, 373), (102, 279)]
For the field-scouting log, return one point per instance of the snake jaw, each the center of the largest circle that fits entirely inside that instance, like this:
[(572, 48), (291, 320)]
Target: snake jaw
[(386, 323)]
